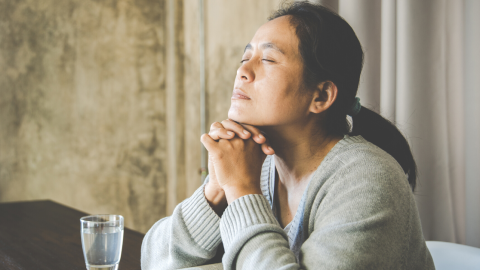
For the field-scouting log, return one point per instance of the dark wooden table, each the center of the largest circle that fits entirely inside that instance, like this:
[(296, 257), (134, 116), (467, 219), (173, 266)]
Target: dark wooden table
[(46, 235)]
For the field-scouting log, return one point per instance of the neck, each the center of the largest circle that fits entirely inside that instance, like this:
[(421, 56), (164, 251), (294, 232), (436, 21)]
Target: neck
[(299, 150)]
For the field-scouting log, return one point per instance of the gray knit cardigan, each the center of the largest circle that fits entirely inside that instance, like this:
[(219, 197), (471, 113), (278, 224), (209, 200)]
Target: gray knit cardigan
[(358, 212)]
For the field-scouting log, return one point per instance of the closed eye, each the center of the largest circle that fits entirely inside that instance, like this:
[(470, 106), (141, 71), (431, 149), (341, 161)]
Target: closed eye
[(244, 60)]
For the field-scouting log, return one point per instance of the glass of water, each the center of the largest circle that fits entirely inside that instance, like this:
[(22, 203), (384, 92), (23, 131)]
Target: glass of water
[(102, 239)]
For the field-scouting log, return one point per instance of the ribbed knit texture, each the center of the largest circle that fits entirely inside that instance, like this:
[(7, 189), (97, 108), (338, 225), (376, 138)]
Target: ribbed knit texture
[(201, 221), (358, 212), (246, 211), (188, 238)]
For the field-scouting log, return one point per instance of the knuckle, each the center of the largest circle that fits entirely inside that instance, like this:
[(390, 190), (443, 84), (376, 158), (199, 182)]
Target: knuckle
[(249, 127), (237, 143), (225, 122), (226, 143), (203, 137)]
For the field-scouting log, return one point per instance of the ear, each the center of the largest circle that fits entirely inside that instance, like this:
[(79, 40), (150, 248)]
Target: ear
[(323, 97)]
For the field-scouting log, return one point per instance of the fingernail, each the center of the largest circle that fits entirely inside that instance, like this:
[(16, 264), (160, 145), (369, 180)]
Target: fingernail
[(230, 133), (260, 136), (246, 132), (270, 148)]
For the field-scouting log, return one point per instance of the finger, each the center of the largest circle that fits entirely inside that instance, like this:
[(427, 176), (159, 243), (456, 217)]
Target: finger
[(259, 138), (217, 131), (221, 133), (209, 143), (267, 149), (216, 125), (237, 128), (257, 135)]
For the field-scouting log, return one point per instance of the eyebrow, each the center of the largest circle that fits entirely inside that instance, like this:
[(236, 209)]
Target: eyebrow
[(266, 45)]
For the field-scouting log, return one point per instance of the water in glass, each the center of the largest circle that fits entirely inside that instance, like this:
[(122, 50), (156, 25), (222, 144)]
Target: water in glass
[(102, 239)]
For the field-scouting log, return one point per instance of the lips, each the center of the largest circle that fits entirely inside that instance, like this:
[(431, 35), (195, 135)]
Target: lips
[(239, 94)]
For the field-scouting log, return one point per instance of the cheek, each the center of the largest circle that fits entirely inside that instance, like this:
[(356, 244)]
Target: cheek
[(276, 101), (279, 104)]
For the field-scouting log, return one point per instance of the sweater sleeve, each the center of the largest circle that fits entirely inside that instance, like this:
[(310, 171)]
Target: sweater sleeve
[(359, 220), (252, 237), (189, 237)]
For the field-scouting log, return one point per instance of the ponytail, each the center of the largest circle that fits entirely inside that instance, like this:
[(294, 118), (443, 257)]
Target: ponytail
[(384, 134)]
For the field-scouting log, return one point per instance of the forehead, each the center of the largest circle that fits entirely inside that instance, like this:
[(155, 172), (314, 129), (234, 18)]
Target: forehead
[(280, 32)]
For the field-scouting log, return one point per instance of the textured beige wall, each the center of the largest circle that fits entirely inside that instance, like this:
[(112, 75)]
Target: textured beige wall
[(230, 26), (84, 91)]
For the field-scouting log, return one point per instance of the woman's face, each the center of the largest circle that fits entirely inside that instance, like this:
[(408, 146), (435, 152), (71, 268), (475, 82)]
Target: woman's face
[(268, 88)]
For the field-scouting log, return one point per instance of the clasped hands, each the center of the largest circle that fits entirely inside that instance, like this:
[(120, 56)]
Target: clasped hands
[(236, 153)]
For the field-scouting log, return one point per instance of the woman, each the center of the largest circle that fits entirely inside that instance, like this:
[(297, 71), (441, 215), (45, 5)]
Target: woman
[(315, 195)]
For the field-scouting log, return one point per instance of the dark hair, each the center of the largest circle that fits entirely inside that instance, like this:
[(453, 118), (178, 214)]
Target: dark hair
[(331, 51)]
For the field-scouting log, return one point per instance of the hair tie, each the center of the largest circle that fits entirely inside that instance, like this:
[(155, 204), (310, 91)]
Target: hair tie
[(355, 107)]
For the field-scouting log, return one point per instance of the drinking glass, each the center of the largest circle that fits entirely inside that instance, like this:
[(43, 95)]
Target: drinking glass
[(102, 239)]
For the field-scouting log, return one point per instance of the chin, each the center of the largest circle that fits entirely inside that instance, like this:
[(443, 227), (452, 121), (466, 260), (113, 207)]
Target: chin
[(241, 117)]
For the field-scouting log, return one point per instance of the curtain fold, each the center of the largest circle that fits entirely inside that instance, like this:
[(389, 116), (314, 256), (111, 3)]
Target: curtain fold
[(421, 110), (471, 54), (388, 81), (365, 18)]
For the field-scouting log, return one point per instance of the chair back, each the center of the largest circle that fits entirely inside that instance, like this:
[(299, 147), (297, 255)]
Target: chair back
[(450, 256)]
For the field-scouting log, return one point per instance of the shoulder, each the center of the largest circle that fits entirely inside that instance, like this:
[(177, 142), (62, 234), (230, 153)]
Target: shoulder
[(358, 174), (358, 158), (359, 200), (357, 149)]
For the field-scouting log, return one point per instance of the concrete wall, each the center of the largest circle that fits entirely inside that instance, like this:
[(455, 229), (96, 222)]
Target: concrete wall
[(85, 90)]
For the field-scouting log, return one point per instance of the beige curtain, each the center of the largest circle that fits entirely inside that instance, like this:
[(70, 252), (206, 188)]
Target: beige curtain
[(471, 56), (422, 72)]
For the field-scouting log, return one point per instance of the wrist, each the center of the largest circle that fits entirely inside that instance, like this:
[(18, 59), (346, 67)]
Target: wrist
[(215, 197), (235, 192)]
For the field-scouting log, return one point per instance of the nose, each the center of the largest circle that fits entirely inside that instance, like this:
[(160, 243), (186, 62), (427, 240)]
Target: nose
[(245, 72)]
